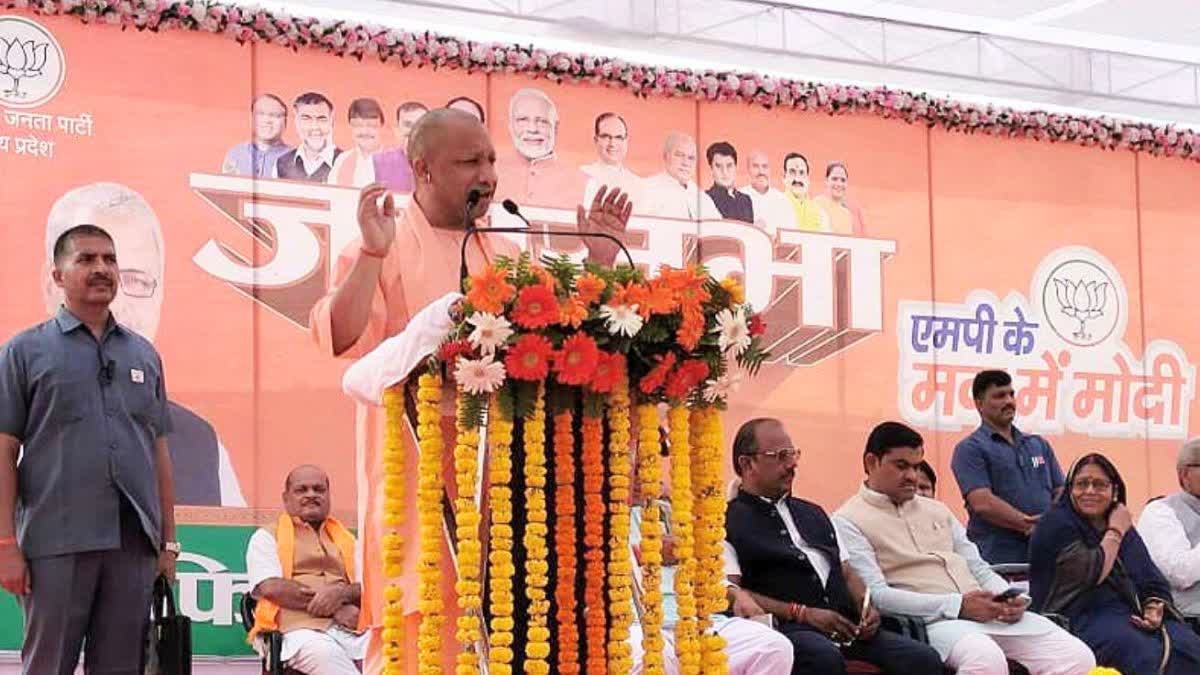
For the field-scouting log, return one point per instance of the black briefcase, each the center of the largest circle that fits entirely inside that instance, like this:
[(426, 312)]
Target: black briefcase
[(171, 634)]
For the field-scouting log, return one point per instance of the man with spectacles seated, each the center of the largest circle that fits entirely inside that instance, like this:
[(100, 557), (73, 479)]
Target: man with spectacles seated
[(1171, 529), (783, 558), (914, 556)]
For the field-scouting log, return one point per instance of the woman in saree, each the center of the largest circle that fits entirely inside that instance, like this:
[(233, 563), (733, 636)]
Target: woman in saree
[(1088, 564), (844, 217)]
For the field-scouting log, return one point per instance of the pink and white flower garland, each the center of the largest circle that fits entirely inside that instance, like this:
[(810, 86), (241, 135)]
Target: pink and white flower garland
[(428, 49)]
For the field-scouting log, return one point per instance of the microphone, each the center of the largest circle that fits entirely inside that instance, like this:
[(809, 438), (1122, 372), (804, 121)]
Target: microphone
[(473, 196), (511, 206)]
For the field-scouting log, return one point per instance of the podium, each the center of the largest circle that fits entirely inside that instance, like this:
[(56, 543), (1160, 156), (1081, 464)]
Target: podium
[(568, 386)]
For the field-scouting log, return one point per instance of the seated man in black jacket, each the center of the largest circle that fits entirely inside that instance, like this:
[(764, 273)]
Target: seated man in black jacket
[(783, 558)]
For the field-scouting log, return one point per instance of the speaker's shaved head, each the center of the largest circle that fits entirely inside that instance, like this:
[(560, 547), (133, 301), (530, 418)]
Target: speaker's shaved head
[(434, 128)]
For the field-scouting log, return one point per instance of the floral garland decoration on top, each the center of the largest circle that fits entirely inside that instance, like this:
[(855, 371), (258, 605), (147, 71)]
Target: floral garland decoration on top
[(537, 567), (620, 563), (564, 541), (687, 638), (708, 510), (408, 49), (429, 515), (649, 477), (393, 541), (595, 611)]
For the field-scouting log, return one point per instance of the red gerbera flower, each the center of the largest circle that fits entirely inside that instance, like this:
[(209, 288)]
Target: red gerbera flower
[(685, 378), (608, 373), (454, 349), (529, 358), (576, 361), (757, 326), (536, 307), (654, 379)]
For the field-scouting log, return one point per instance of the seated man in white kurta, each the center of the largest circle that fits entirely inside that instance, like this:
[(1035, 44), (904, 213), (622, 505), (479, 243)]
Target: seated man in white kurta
[(916, 559)]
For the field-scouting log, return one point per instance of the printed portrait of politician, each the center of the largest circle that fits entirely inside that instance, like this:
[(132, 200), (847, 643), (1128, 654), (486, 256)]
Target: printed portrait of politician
[(806, 214), (313, 159), (391, 166), (469, 106), (355, 167), (533, 173), (204, 474), (257, 156), (673, 193), (772, 210), (611, 137), (731, 202), (844, 216)]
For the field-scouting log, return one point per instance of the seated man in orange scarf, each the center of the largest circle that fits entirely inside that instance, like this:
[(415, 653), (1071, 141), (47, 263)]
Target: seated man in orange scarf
[(302, 571)]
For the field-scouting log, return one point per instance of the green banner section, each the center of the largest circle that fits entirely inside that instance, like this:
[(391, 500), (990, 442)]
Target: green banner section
[(212, 578)]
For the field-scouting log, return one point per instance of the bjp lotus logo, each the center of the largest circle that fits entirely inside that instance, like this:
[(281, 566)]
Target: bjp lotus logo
[(1081, 300), (1082, 296), (32, 62)]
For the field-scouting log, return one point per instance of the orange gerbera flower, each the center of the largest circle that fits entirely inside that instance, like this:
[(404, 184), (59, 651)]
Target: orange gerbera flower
[(630, 294), (685, 378), (489, 290), (589, 287), (688, 284), (543, 276), (691, 329), (660, 299), (576, 361), (529, 358), (536, 307), (572, 312), (654, 379), (609, 371)]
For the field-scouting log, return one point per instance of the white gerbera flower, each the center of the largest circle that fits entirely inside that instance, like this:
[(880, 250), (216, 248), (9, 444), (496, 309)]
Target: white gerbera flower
[(490, 332), (734, 333), (479, 376), (621, 319), (724, 386)]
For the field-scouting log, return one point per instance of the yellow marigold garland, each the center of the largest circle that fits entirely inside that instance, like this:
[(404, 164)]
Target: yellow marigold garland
[(429, 516), (470, 551), (709, 510), (595, 620), (564, 542), (687, 643), (500, 542), (620, 565), (649, 476), (393, 538), (537, 567)]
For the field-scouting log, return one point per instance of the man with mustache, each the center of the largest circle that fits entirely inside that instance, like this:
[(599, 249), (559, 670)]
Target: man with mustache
[(356, 167), (783, 557), (257, 157), (1008, 478), (87, 517), (673, 193), (807, 215), (915, 558), (314, 158), (407, 260), (533, 173), (301, 570)]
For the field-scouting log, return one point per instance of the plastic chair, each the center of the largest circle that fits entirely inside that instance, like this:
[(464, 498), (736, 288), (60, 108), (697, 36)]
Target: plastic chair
[(272, 641)]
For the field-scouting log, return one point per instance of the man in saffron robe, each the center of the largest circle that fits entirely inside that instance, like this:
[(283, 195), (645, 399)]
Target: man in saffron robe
[(406, 259)]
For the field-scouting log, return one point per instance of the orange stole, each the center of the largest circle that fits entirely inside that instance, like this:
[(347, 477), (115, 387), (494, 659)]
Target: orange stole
[(266, 613)]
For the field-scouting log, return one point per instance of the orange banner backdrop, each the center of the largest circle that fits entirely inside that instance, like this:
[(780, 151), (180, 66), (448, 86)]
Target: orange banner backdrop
[(1065, 265)]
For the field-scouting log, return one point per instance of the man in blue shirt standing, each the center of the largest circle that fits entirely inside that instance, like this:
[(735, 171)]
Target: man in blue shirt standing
[(1008, 478)]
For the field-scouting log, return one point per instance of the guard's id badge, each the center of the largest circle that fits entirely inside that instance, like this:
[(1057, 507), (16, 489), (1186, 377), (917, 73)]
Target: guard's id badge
[(137, 375)]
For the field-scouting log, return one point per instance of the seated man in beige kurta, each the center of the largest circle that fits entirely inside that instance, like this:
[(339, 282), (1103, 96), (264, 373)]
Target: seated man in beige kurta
[(301, 570), (407, 259)]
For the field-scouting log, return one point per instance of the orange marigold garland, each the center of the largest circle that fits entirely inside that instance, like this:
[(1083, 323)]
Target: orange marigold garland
[(393, 539), (709, 519), (470, 552), (429, 517), (595, 620), (687, 644), (537, 567), (564, 541), (649, 476), (500, 542), (620, 565)]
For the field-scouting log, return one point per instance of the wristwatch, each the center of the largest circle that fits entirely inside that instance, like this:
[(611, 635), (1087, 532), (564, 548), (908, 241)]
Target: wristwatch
[(172, 547)]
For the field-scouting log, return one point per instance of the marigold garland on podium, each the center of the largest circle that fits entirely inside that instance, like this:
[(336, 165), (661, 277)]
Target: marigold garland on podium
[(557, 369)]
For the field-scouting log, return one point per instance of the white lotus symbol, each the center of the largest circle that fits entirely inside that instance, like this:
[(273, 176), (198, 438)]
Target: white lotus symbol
[(1081, 301), (21, 60)]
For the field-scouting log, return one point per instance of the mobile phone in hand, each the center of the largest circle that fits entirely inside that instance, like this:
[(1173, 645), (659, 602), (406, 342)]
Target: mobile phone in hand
[(1012, 592)]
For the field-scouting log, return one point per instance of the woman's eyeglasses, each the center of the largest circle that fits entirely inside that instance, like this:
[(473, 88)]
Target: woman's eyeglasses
[(1083, 484)]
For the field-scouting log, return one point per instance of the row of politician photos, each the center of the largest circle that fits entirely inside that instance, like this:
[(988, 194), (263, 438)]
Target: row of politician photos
[(807, 590), (535, 174)]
